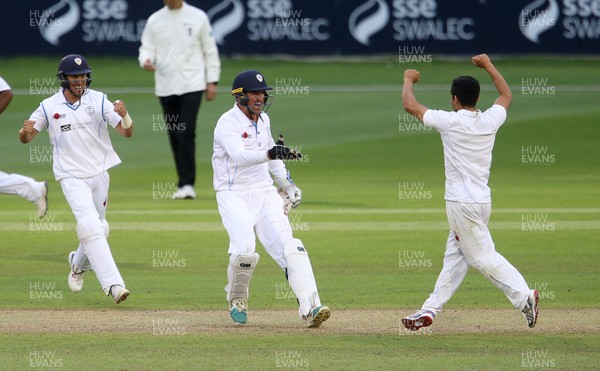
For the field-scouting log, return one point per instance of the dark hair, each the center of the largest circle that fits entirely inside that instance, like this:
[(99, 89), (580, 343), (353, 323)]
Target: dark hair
[(466, 89)]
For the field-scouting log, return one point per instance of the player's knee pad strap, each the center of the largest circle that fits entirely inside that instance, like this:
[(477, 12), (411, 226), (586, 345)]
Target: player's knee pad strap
[(300, 275), (239, 273), (88, 227)]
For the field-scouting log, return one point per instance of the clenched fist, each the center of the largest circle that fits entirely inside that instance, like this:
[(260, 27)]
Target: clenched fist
[(120, 108), (27, 132), (412, 75), (481, 61)]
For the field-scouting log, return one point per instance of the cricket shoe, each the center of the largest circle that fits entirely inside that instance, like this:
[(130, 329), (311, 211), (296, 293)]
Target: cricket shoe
[(184, 193), (239, 311), (415, 321), (42, 201), (119, 293), (531, 308), (75, 279), (317, 316)]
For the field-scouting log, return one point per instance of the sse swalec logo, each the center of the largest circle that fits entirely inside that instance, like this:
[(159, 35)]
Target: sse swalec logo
[(95, 21), (52, 27), (231, 13), (534, 21), (369, 25)]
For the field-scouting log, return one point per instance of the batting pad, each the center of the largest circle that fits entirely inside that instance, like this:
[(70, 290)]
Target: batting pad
[(239, 272), (300, 276)]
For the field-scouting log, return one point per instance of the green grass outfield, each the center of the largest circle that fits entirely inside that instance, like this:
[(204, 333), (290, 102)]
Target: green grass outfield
[(372, 219)]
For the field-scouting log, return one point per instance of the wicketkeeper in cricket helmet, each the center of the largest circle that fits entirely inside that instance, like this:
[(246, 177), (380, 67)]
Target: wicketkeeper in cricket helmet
[(248, 173)]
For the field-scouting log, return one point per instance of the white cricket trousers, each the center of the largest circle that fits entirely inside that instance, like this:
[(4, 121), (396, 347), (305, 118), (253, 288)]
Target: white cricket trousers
[(88, 198), (260, 210), (470, 244), (20, 185)]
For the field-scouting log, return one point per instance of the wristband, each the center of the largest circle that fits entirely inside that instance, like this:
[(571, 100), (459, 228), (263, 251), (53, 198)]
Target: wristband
[(126, 121)]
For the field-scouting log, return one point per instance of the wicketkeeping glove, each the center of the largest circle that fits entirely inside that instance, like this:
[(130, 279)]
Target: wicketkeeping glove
[(279, 152), (292, 195)]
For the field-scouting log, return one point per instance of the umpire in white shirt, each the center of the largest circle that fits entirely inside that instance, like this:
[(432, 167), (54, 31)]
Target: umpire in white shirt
[(178, 46)]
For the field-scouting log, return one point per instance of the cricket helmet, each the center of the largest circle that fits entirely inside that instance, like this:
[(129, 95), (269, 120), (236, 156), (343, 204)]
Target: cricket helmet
[(250, 81), (73, 64)]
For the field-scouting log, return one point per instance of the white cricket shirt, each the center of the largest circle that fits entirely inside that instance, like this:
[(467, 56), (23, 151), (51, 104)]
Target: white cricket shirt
[(81, 146), (4, 85), (468, 139), (240, 160), (181, 45)]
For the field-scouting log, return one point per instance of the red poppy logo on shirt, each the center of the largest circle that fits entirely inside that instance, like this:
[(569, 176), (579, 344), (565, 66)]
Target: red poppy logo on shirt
[(245, 135), (56, 116)]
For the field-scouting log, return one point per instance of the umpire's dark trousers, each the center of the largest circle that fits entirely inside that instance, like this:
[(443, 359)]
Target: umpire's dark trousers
[(180, 116)]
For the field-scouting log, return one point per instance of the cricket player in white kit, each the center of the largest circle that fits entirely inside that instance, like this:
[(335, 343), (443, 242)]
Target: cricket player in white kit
[(468, 137), (246, 162), (77, 120), (17, 184)]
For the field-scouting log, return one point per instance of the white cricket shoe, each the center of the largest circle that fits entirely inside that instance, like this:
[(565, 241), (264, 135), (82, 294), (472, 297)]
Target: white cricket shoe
[(184, 193), (42, 201), (119, 293), (75, 279)]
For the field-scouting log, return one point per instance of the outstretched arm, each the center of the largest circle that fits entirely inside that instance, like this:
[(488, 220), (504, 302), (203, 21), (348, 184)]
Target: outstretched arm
[(409, 101), (483, 61)]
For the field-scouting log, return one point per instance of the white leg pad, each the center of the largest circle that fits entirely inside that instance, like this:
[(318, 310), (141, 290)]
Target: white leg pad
[(300, 276), (239, 273)]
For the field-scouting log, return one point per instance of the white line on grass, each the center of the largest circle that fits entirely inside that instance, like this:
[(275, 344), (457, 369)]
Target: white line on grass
[(336, 211), (555, 225), (359, 211), (347, 89)]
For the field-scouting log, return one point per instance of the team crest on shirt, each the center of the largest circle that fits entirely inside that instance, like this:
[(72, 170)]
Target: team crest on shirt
[(89, 110)]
